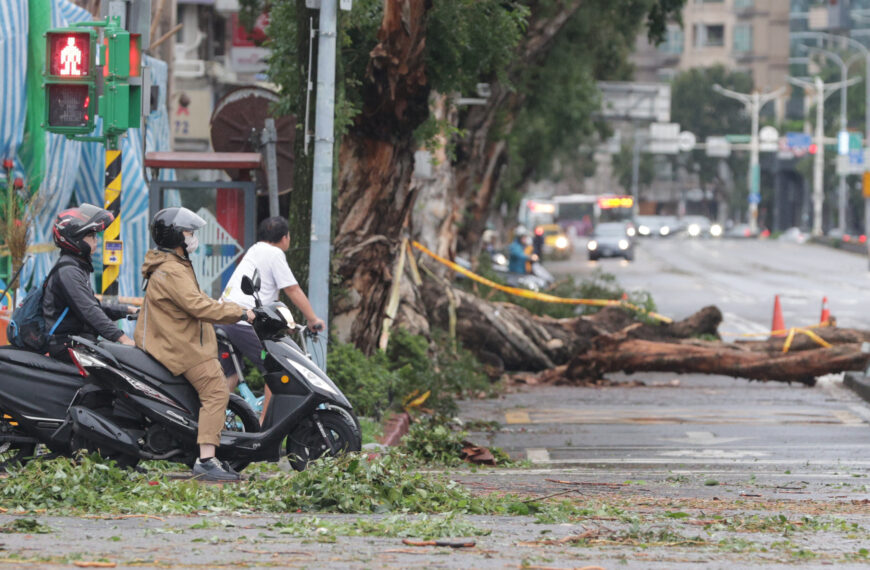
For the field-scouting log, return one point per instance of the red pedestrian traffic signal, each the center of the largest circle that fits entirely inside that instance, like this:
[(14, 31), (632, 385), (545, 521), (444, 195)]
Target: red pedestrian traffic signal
[(70, 81), (69, 54)]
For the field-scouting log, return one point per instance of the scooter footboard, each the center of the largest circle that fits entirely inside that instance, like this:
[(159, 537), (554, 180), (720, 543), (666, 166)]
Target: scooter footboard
[(102, 431)]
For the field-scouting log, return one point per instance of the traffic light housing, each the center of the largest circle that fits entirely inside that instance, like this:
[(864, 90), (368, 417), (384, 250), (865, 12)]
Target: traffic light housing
[(70, 81), (120, 102)]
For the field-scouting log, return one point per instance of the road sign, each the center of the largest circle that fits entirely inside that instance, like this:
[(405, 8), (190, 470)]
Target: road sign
[(664, 138), (798, 141), (686, 141), (754, 198), (843, 143), (718, 147), (70, 81)]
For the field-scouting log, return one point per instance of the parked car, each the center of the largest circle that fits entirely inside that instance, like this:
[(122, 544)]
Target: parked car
[(610, 240), (557, 244)]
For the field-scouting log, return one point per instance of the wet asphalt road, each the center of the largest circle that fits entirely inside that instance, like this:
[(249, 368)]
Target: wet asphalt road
[(676, 471)]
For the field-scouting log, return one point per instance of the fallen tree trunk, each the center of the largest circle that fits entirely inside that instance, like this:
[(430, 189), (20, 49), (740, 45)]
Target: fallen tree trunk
[(583, 349), (632, 355)]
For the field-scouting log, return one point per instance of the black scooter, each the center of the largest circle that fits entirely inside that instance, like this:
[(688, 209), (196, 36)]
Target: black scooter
[(35, 394), (132, 408)]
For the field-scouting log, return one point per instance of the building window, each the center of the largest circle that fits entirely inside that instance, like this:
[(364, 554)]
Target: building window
[(709, 35), (743, 38), (741, 5), (673, 41)]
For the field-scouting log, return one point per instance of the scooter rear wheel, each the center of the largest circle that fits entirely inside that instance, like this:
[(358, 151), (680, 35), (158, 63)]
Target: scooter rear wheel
[(306, 443)]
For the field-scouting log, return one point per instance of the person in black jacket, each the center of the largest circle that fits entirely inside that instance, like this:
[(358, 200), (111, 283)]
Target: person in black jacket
[(69, 287)]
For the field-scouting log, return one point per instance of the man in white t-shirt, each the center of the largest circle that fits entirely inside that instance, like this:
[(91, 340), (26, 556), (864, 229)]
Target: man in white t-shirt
[(268, 257)]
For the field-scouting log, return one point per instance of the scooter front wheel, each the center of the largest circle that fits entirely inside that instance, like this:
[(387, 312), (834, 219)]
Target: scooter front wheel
[(307, 443)]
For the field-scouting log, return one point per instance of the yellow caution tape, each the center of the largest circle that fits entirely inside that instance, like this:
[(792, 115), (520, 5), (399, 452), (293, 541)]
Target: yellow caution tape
[(534, 294)]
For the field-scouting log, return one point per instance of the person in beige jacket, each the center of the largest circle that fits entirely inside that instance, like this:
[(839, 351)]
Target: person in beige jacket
[(175, 327)]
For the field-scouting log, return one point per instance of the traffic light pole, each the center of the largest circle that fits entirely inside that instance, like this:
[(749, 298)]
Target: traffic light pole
[(112, 234)]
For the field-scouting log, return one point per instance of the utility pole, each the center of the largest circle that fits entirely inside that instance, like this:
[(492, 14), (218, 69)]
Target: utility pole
[(324, 140), (754, 102)]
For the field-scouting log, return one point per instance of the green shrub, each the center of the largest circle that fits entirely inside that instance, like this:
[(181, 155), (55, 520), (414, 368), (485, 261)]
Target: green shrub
[(443, 368), (432, 441), (367, 381)]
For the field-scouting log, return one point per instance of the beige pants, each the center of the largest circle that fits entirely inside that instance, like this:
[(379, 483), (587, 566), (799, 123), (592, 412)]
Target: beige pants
[(211, 385)]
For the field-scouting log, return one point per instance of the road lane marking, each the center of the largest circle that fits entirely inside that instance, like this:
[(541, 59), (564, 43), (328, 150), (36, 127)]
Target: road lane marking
[(712, 453), (652, 416), (517, 417), (848, 417), (538, 455), (704, 438), (602, 461)]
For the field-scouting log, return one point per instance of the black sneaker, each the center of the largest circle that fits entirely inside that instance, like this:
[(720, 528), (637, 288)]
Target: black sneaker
[(212, 470)]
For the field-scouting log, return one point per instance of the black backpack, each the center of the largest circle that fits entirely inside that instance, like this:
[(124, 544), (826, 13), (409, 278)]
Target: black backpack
[(27, 326)]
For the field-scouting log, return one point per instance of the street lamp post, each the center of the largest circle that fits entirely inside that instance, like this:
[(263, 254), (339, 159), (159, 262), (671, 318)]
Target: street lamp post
[(841, 188), (754, 102), (866, 53)]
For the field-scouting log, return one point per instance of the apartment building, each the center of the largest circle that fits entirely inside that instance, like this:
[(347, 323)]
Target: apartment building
[(743, 35)]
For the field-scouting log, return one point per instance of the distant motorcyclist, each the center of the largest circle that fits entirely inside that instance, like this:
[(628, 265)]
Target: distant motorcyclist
[(520, 252), (69, 286), (175, 327)]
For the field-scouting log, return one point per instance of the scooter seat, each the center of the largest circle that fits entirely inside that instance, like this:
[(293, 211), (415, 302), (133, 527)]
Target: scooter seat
[(35, 360), (138, 359)]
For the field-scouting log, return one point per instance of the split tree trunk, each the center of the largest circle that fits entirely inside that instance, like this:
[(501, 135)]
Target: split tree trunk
[(376, 163)]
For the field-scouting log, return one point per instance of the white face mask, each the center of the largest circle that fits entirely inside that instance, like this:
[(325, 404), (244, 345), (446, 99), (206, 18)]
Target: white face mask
[(191, 242)]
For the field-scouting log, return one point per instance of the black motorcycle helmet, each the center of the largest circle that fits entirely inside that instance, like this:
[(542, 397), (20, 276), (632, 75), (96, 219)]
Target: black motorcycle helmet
[(71, 226), (169, 223)]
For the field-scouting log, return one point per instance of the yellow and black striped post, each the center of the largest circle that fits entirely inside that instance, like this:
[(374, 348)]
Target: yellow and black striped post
[(112, 245)]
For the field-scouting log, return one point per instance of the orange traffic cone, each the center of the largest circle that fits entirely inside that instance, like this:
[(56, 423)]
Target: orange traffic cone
[(777, 328), (825, 319)]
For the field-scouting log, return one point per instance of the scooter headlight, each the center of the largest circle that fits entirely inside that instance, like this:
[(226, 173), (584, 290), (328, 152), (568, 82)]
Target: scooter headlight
[(311, 377), (287, 316)]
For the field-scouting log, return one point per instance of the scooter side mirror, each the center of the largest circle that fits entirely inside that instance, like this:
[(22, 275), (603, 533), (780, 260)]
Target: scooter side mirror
[(247, 285)]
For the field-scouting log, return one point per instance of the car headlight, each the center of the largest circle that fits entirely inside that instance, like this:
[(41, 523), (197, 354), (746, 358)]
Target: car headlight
[(694, 230), (643, 230), (715, 230), (664, 230), (561, 242), (287, 316), (592, 245), (623, 244)]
